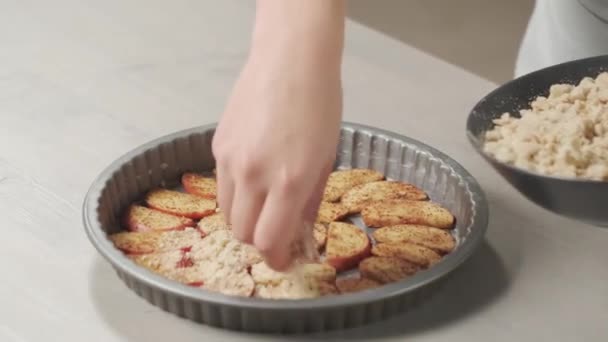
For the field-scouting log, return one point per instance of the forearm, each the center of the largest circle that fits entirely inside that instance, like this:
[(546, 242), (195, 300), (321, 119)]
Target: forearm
[(305, 32)]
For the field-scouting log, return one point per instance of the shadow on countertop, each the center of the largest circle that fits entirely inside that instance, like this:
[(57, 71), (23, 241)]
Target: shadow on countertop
[(474, 286)]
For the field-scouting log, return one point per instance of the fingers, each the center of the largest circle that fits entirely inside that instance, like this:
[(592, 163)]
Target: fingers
[(265, 210), (225, 183), (225, 191), (246, 206), (276, 229), (312, 206)]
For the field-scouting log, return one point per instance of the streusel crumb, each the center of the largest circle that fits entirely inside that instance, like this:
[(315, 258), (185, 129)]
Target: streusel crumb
[(564, 134)]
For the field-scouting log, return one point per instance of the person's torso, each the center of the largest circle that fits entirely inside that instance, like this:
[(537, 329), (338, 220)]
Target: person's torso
[(563, 30)]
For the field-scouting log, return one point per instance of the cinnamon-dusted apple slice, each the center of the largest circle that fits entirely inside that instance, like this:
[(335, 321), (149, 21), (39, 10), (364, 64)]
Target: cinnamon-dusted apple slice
[(263, 274), (213, 223), (319, 233), (287, 290), (327, 289), (221, 245), (433, 238), (142, 219), (236, 284), (363, 195), (346, 246), (416, 254), (343, 180), (161, 262), (330, 212), (155, 241), (225, 278), (349, 285), (199, 185), (386, 269), (302, 281), (395, 212), (174, 265), (180, 204)]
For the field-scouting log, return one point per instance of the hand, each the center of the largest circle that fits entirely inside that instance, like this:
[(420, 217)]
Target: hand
[(276, 144), (276, 141)]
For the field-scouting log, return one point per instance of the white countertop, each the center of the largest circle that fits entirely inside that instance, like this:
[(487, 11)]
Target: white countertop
[(83, 81)]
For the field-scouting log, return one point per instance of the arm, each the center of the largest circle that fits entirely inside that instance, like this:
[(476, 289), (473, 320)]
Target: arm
[(276, 141), (311, 32)]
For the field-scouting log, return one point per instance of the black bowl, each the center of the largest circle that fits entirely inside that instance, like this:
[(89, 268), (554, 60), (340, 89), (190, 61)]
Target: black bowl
[(583, 200)]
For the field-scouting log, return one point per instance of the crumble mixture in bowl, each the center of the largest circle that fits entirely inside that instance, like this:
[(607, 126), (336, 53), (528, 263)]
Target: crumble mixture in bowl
[(564, 134), (546, 135)]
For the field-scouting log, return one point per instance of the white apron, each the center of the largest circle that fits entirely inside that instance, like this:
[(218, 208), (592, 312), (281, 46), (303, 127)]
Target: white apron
[(561, 31)]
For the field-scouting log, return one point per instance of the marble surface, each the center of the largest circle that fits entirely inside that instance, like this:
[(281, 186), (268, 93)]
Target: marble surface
[(83, 81)]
